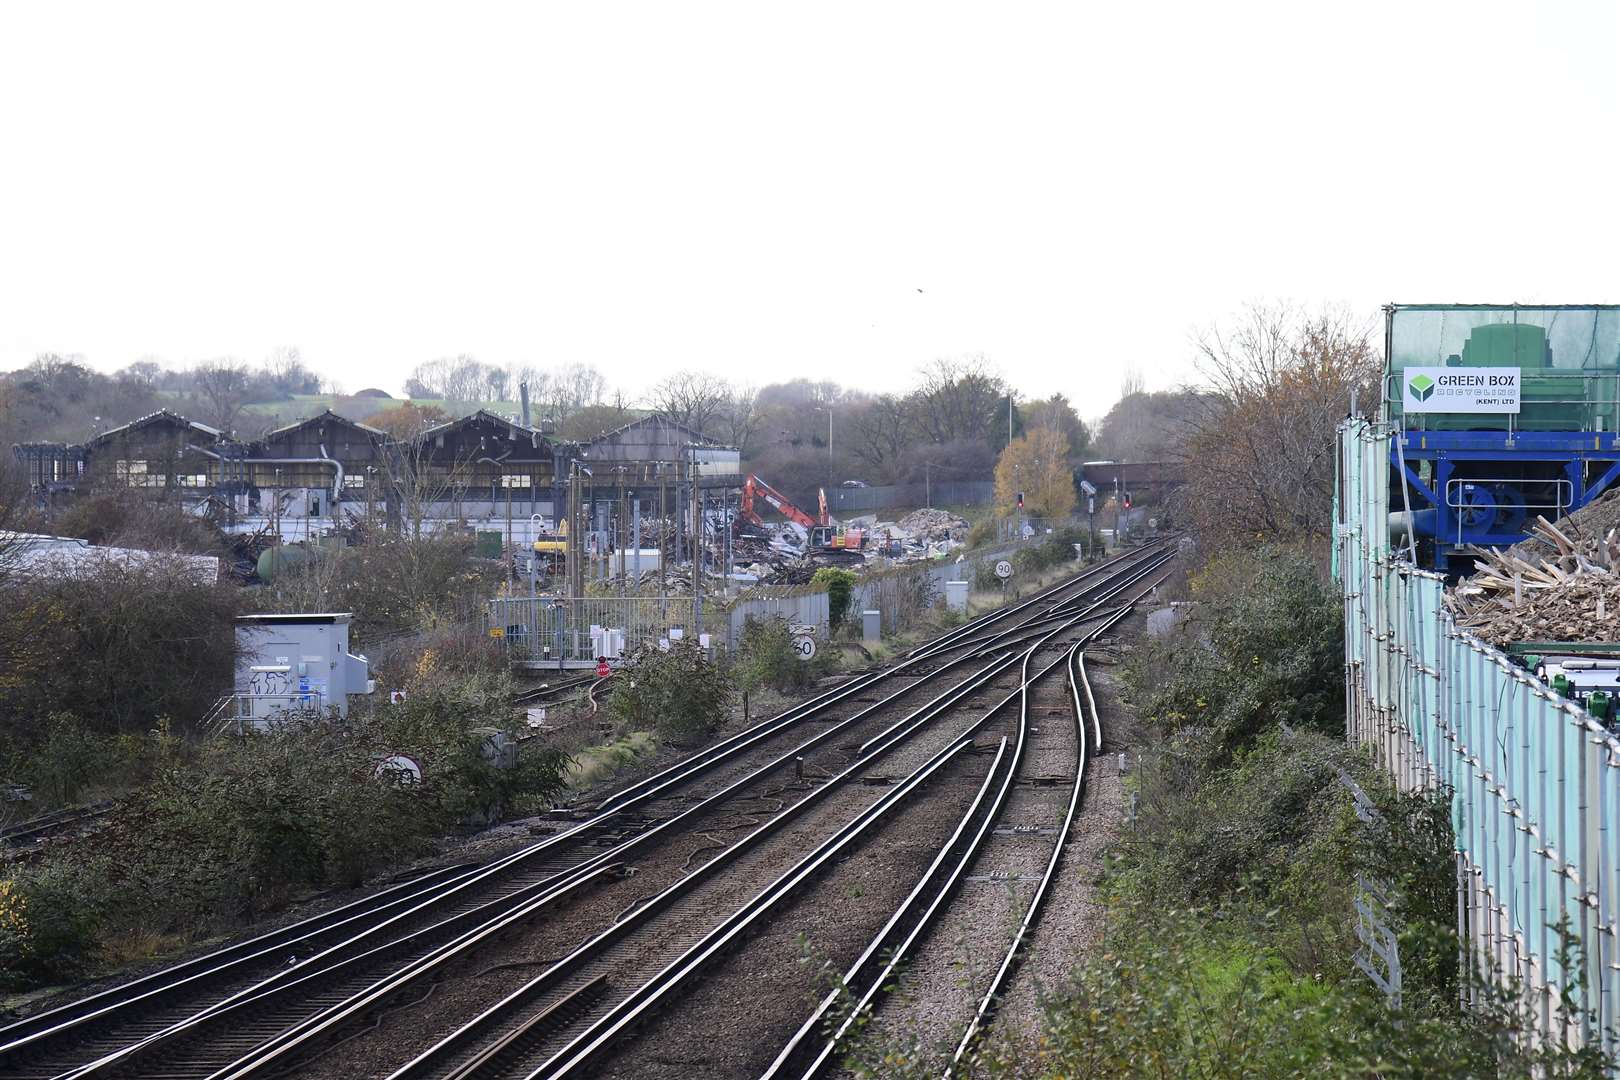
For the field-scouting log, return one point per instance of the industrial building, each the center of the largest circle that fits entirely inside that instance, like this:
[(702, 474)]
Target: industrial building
[(483, 471)]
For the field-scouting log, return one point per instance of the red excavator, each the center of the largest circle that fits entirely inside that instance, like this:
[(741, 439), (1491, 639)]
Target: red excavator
[(824, 540)]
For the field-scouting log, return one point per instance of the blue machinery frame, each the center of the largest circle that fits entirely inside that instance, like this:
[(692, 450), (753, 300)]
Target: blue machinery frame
[(1454, 520)]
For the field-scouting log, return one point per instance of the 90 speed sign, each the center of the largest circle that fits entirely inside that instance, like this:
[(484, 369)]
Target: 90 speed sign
[(1003, 569)]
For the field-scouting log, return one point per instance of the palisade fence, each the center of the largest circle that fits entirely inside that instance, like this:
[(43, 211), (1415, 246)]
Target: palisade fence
[(541, 630), (1534, 779), (843, 500)]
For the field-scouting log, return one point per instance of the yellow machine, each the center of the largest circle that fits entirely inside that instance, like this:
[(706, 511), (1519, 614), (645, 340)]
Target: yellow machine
[(553, 544)]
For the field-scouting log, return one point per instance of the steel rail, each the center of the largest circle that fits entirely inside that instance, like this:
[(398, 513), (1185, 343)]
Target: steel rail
[(992, 994), (23, 1033), (953, 639), (342, 953), (29, 1032), (884, 936), (299, 1037), (796, 1045), (425, 1063), (632, 1009), (635, 1008)]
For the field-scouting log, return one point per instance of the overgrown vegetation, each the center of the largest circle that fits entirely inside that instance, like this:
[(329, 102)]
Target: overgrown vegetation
[(392, 585), (840, 586), (1230, 925), (677, 692), (766, 658), (222, 830), (118, 645)]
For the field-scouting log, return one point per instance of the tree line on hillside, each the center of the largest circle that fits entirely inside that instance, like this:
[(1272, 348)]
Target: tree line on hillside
[(1254, 436)]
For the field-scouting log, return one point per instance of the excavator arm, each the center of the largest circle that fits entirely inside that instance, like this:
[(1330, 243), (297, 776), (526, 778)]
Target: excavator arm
[(754, 487)]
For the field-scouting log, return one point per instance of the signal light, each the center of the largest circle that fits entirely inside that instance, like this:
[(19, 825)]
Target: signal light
[(1020, 500), (1127, 500)]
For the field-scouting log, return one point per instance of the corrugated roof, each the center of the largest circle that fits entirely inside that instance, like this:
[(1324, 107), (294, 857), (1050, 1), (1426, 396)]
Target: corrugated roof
[(326, 414), (149, 418), (515, 430), (697, 436)]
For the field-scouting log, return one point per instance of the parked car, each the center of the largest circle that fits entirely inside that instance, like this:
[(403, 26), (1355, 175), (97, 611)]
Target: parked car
[(855, 484)]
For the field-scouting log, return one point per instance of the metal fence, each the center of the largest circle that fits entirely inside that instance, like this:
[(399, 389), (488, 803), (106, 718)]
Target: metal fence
[(843, 500), (796, 604), (543, 630), (1534, 779), (550, 630)]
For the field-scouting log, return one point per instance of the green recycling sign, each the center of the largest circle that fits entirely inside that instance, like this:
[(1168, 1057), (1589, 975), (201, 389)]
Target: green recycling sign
[(1462, 389)]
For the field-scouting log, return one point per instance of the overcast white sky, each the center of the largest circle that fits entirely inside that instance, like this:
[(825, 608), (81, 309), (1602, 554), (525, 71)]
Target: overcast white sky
[(761, 191)]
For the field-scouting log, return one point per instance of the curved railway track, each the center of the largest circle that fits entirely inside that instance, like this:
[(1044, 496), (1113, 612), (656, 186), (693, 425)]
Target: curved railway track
[(260, 1007), (484, 1048)]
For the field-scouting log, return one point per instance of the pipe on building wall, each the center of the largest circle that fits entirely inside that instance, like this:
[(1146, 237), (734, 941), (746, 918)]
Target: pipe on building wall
[(337, 480)]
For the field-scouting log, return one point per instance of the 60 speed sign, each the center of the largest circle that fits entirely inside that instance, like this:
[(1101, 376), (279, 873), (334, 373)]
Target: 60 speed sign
[(804, 647)]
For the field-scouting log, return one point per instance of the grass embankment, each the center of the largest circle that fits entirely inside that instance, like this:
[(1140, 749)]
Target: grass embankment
[(1230, 919)]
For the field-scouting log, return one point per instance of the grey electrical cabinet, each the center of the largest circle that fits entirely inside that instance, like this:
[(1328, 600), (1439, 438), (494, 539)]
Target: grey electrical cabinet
[(296, 663)]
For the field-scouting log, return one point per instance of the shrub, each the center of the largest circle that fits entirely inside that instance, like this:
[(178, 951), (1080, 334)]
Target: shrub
[(984, 531), (455, 704), (984, 577), (50, 916), (117, 645), (676, 692), (840, 586), (766, 657), (393, 585)]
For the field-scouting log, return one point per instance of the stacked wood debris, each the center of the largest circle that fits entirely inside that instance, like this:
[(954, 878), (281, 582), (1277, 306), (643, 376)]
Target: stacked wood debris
[(1553, 587)]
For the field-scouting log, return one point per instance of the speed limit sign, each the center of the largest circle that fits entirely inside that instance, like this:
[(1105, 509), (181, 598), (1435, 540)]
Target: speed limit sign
[(804, 647), (1003, 569)]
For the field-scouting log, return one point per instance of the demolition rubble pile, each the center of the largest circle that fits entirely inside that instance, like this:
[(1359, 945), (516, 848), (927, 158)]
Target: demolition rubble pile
[(1563, 584), (933, 526)]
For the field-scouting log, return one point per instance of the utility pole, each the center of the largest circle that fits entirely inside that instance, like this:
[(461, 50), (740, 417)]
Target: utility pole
[(697, 554), (618, 529)]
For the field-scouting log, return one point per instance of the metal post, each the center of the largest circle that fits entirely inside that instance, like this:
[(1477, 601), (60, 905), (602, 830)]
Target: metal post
[(697, 569), (635, 537)]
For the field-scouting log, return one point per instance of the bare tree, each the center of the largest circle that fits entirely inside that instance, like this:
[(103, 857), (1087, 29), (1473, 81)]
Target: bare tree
[(416, 478), (1260, 451), (144, 373), (959, 398), (453, 378), (222, 390), (693, 398), (1131, 382), (879, 432), (739, 417), (284, 369)]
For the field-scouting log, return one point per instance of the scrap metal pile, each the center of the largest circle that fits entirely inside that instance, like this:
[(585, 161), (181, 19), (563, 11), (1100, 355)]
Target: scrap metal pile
[(1562, 584)]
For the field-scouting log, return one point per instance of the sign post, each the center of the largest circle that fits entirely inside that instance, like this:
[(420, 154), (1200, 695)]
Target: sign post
[(1004, 570)]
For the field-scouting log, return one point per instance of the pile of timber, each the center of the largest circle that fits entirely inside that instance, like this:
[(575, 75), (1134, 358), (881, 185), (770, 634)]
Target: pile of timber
[(1572, 593)]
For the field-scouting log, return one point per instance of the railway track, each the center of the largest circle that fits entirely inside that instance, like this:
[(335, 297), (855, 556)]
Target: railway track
[(21, 837), (260, 1007), (484, 1048)]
